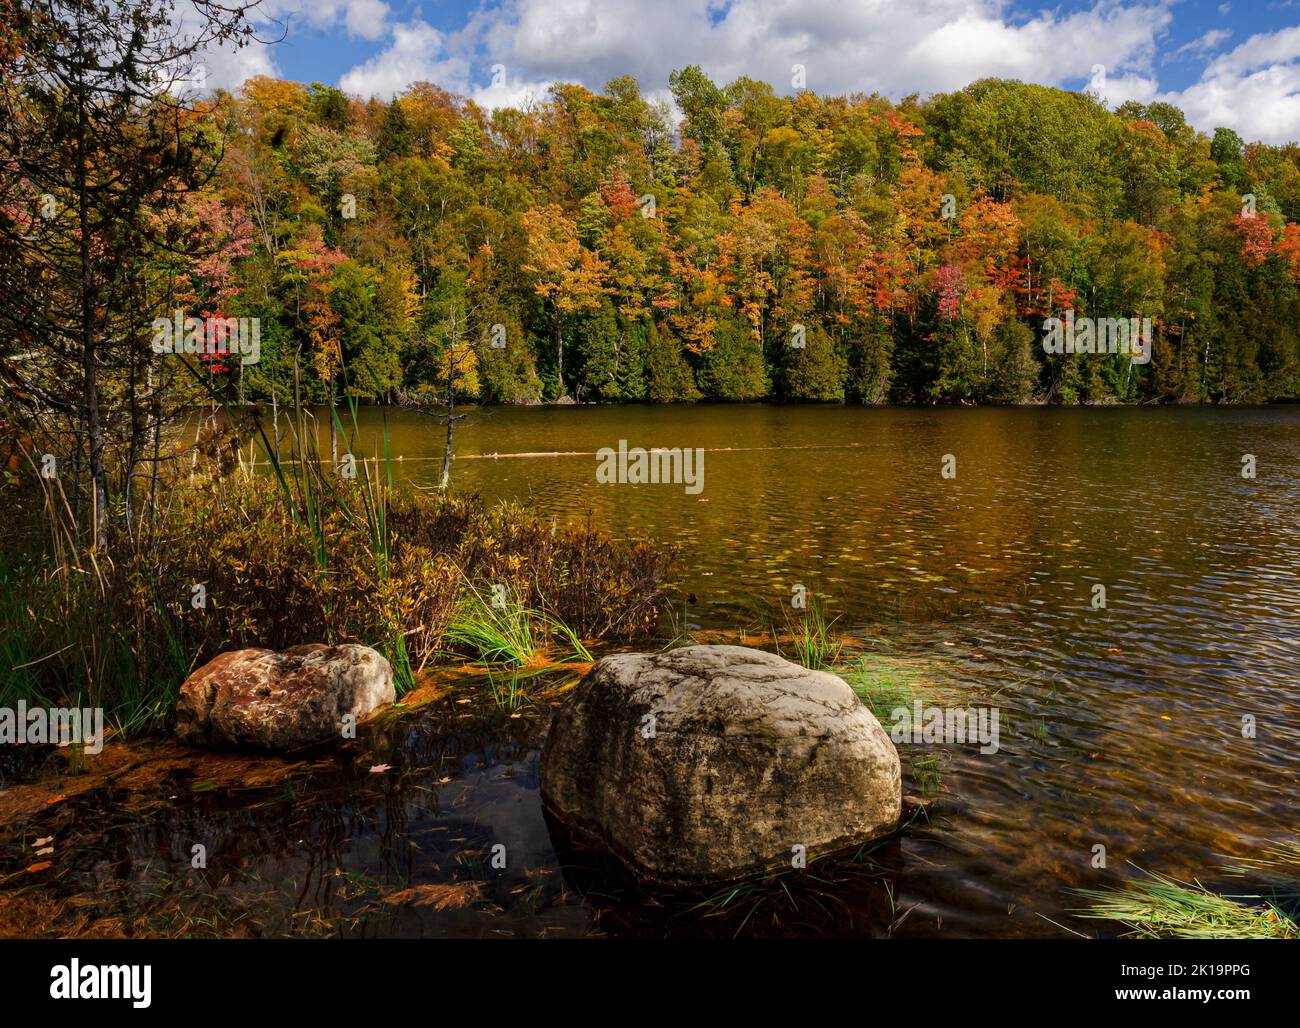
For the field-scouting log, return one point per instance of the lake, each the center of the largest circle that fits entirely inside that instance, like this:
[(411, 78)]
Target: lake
[(1128, 719), (1163, 726)]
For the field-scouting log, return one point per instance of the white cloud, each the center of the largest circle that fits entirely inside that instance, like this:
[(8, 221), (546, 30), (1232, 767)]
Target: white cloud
[(417, 53), (227, 66), (1205, 43), (1253, 89), (1263, 105), (1258, 51), (367, 19), (364, 19), (216, 66), (521, 95), (844, 46), (1120, 88)]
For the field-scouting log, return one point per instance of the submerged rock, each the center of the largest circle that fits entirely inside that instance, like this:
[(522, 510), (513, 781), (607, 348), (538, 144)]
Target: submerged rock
[(712, 762), (261, 699)]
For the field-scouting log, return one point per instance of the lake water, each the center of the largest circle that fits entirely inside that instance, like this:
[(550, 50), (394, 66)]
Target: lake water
[(1127, 720), (1121, 726)]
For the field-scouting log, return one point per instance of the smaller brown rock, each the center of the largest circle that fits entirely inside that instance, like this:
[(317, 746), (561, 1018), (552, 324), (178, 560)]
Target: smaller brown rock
[(261, 699)]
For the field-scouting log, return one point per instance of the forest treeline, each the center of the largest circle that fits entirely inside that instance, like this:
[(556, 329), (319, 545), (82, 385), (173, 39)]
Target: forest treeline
[(804, 248), (800, 248)]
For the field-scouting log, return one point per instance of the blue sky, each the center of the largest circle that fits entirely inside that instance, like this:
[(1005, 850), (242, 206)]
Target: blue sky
[(1232, 62)]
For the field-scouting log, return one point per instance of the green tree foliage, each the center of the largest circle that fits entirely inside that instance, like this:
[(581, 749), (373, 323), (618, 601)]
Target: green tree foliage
[(394, 132), (1226, 151), (589, 248)]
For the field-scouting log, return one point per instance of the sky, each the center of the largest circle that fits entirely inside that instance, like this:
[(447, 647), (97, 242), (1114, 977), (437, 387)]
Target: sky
[(1231, 63)]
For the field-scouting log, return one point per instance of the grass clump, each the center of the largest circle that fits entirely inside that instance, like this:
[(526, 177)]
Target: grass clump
[(1163, 907), (810, 638), (882, 686), (495, 634), (508, 693), (502, 630)]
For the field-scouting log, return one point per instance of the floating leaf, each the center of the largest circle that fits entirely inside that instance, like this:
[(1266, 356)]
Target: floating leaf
[(448, 896)]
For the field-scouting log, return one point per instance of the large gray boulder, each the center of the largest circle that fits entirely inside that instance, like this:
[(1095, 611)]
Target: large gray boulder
[(264, 700), (712, 762)]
